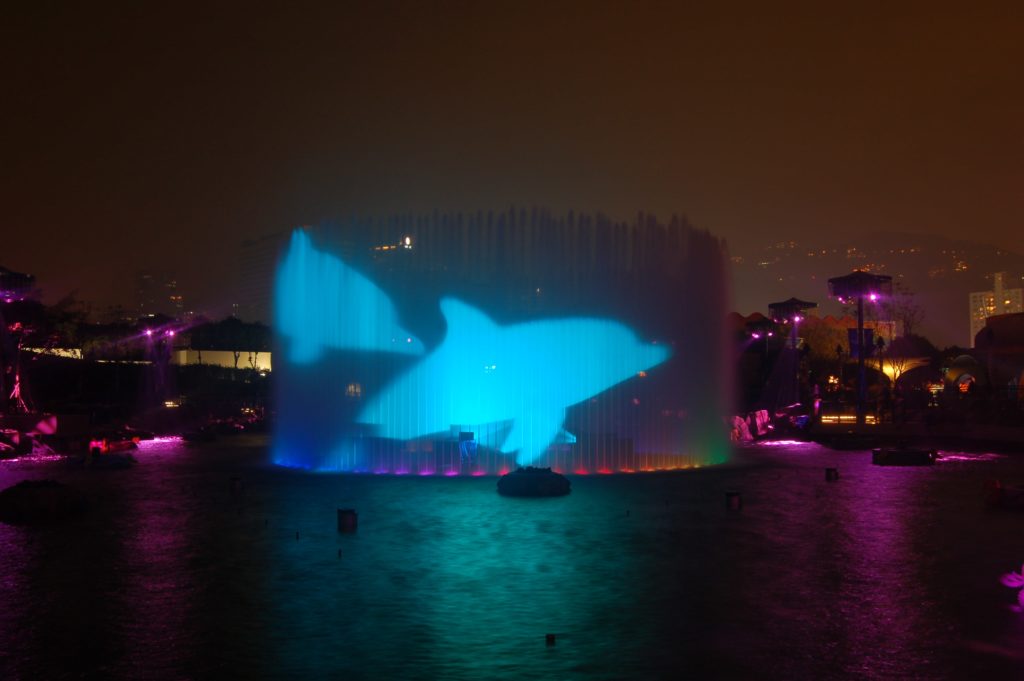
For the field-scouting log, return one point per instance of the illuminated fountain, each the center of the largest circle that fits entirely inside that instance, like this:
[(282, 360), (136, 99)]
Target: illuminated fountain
[(444, 346)]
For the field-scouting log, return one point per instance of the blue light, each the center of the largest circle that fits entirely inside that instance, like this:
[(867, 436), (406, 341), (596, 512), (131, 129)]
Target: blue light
[(522, 376), (320, 302), (492, 387)]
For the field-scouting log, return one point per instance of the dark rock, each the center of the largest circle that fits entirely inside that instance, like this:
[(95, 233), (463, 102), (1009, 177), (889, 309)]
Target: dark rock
[(39, 501), (533, 482)]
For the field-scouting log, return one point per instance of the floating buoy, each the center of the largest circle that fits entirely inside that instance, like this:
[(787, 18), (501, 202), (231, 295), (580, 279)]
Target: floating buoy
[(348, 520), (296, 536), (733, 501), (831, 474), (549, 639)]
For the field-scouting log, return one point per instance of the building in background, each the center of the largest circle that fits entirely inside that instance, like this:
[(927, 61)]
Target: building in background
[(15, 285), (156, 293), (998, 301), (257, 261)]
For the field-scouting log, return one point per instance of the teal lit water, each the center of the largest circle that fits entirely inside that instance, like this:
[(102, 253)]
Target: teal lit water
[(176, 572)]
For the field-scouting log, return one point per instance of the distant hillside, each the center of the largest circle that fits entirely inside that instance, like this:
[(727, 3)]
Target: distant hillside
[(942, 272)]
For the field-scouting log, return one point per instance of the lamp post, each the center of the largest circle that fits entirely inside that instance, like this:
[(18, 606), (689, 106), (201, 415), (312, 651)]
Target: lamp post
[(792, 312), (880, 344), (842, 377), (859, 285)]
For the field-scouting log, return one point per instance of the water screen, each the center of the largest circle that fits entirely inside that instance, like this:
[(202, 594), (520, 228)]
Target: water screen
[(443, 347)]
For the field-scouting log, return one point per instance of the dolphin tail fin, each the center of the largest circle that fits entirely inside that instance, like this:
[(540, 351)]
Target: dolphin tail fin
[(530, 441)]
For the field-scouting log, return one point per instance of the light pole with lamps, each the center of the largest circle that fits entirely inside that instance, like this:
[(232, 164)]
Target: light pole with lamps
[(859, 285), (792, 312)]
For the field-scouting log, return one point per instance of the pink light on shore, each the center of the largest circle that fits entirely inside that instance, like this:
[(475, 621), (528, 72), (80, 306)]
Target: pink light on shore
[(163, 440), (32, 458), (783, 443), (1015, 580)]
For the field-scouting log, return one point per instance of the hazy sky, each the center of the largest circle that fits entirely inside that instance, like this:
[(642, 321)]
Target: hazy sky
[(163, 134)]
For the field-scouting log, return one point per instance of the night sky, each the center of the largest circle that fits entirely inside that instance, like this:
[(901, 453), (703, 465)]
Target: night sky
[(162, 135)]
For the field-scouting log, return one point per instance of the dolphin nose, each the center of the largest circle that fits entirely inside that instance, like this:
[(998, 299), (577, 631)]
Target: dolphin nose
[(659, 353)]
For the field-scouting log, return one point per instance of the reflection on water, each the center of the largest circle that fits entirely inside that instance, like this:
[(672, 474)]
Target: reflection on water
[(178, 571)]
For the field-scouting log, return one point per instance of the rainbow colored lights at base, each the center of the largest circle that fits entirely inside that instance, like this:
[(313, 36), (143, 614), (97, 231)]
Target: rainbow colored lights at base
[(389, 373)]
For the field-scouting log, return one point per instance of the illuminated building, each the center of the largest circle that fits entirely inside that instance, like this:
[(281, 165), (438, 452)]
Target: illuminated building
[(998, 301), (470, 343), (15, 285), (156, 293)]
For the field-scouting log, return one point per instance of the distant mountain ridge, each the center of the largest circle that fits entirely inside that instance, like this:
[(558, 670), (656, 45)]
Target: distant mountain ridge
[(941, 272)]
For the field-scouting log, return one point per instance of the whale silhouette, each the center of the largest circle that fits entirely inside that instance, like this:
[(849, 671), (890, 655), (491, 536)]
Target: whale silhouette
[(320, 302), (510, 385)]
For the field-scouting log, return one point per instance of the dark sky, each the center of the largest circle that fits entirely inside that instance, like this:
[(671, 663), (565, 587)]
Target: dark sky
[(164, 134)]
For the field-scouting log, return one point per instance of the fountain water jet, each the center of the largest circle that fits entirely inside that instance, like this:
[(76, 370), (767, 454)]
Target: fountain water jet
[(447, 346)]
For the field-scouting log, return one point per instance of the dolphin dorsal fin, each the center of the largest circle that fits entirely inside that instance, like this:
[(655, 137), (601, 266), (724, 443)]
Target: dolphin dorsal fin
[(458, 314)]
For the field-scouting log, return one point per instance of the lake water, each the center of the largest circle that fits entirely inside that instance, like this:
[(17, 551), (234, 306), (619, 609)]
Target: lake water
[(176, 572)]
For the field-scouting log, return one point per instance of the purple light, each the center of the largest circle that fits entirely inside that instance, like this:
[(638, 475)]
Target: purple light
[(771, 333), (156, 441), (170, 333), (33, 458), (1015, 580), (756, 335), (797, 319), (784, 443), (873, 297), (149, 332)]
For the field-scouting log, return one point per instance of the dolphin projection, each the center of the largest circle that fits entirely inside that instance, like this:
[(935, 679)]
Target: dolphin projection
[(522, 375), (452, 344), (321, 302)]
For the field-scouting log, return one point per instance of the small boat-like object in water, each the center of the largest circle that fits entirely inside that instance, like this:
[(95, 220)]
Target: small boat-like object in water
[(533, 482), (903, 456)]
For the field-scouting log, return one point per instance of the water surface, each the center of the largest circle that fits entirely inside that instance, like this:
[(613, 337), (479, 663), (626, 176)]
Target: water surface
[(177, 571)]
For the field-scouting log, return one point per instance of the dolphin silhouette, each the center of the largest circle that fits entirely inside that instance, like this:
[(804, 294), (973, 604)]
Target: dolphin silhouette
[(519, 378), (319, 302)]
